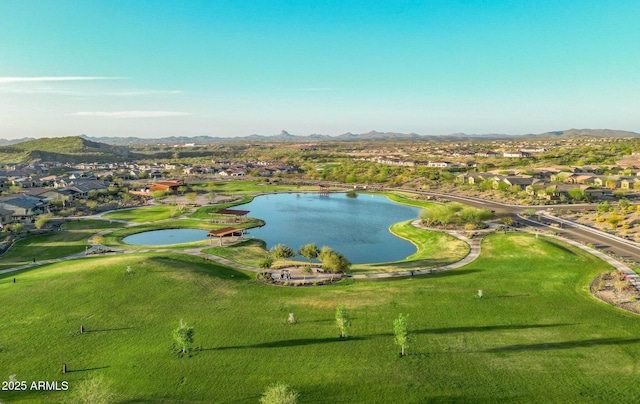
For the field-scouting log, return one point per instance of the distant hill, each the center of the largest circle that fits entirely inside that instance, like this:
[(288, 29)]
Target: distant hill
[(285, 136), (65, 149), (587, 132), (5, 142)]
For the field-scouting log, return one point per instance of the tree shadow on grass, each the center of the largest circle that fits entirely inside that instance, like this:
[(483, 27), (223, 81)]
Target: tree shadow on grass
[(87, 369), (587, 343), (453, 330), (109, 329), (557, 245), (289, 343)]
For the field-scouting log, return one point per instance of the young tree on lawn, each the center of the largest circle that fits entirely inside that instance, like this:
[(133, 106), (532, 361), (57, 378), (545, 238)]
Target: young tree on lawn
[(282, 251), (401, 331), (342, 320), (306, 270), (192, 197), (183, 335), (309, 251)]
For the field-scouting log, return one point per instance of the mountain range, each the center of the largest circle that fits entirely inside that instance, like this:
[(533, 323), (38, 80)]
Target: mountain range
[(285, 136)]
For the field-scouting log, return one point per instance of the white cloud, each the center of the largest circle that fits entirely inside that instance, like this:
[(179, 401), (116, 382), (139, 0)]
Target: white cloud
[(4, 80), (132, 114)]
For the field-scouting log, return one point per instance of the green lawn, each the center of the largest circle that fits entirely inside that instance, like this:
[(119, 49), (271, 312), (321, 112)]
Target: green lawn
[(206, 211), (434, 249), (250, 252), (536, 336), (145, 214), (407, 199), (71, 240)]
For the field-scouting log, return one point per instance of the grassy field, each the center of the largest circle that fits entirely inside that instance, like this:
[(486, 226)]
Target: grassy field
[(206, 211), (536, 336), (407, 199), (250, 252), (434, 249), (145, 214), (72, 239)]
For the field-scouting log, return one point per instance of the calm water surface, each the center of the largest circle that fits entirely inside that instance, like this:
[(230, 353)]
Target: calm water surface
[(356, 227), (167, 236)]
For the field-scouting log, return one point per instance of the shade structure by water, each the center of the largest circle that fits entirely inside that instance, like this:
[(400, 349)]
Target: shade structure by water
[(356, 227), (167, 236)]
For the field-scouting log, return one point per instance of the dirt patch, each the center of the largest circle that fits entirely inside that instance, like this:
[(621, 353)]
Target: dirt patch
[(614, 288)]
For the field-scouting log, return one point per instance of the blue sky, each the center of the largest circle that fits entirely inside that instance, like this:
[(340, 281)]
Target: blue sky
[(234, 68)]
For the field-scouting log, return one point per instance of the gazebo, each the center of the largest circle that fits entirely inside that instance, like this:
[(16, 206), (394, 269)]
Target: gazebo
[(225, 231)]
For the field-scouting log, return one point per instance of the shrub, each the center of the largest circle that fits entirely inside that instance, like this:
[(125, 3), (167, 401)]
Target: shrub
[(279, 393)]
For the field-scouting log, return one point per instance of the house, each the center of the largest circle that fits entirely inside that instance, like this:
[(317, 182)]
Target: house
[(440, 164), (521, 182), (564, 177), (5, 216), (24, 207), (630, 183), (166, 186), (516, 154), (585, 179), (84, 187)]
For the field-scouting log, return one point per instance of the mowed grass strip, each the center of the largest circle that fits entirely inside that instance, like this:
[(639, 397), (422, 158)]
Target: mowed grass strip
[(537, 335), (434, 249)]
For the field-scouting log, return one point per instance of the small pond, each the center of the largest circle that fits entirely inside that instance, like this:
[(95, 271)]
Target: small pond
[(358, 227), (166, 236)]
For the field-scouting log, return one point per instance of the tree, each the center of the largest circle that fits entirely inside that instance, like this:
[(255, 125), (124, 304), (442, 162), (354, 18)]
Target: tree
[(306, 270), (342, 320), (266, 262), (183, 335), (576, 194), (182, 189), (192, 197), (333, 261), (42, 220), (309, 251), (401, 331), (282, 251), (279, 393)]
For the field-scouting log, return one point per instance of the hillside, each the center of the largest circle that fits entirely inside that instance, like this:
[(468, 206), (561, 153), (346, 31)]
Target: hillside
[(71, 149)]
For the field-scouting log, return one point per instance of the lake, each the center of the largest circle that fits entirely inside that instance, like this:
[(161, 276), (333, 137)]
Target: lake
[(167, 236), (358, 227)]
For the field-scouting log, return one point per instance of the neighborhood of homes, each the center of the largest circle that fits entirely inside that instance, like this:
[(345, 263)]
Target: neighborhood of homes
[(29, 190)]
